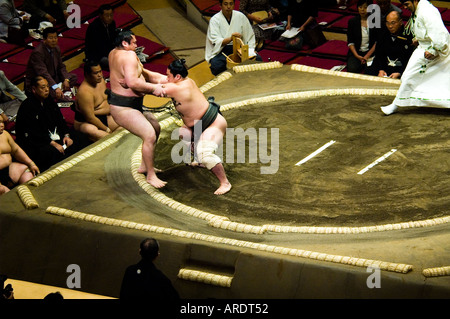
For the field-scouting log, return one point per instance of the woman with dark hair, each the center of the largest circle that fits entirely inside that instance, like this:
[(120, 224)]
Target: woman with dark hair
[(361, 39)]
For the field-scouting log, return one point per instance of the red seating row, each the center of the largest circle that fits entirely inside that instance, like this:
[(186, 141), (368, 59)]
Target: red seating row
[(14, 58), (71, 41), (332, 19)]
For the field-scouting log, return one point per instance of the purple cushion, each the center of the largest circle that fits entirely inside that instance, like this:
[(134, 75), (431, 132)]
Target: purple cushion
[(20, 57), (202, 5), (332, 47), (14, 72), (8, 49), (125, 16), (152, 49), (77, 33), (342, 23), (70, 46), (446, 16), (328, 17), (273, 55), (317, 62)]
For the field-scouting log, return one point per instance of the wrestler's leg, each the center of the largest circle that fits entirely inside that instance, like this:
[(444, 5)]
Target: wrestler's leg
[(19, 173), (90, 130), (186, 136), (135, 122), (154, 122), (214, 133), (112, 124)]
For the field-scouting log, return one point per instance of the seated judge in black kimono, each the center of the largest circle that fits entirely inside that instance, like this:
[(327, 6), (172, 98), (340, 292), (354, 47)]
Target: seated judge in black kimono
[(394, 48), (41, 129)]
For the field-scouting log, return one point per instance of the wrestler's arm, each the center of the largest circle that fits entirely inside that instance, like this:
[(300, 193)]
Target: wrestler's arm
[(132, 79), (86, 107), (154, 77), (171, 90), (19, 154)]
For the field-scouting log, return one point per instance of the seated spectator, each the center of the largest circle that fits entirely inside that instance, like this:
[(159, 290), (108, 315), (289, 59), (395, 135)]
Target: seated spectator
[(144, 281), (54, 11), (250, 8), (302, 15), (13, 24), (45, 60), (41, 130), (9, 106), (219, 39), (394, 48), (100, 36), (282, 7), (361, 40), (92, 111), (15, 165)]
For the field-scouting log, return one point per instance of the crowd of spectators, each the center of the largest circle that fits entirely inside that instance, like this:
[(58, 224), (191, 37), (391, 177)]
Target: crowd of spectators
[(41, 135)]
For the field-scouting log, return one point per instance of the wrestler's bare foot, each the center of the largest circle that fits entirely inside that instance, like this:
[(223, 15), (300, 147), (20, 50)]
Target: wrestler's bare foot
[(223, 189), (156, 182), (143, 170)]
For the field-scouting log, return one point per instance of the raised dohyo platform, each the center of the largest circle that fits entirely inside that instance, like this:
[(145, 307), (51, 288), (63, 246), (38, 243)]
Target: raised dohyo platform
[(354, 204)]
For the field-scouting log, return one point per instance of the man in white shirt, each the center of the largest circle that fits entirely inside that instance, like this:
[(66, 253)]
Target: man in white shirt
[(219, 39)]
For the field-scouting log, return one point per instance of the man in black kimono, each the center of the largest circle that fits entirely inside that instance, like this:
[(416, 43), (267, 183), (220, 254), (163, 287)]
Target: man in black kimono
[(393, 50), (100, 36), (145, 281), (41, 130)]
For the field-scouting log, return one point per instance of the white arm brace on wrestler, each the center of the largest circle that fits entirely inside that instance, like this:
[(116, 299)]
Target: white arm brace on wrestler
[(206, 153)]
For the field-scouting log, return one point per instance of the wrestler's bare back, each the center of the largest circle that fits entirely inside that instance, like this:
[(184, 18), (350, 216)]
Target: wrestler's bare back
[(124, 65)]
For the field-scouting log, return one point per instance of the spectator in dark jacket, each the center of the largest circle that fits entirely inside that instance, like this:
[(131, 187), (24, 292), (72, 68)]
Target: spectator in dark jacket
[(41, 130), (100, 36), (144, 280), (46, 61), (394, 48)]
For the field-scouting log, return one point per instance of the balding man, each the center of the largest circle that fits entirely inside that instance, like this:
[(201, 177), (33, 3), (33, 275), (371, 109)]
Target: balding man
[(393, 50)]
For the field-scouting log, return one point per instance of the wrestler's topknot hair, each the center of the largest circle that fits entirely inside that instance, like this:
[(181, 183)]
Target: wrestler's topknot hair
[(125, 35), (178, 67)]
